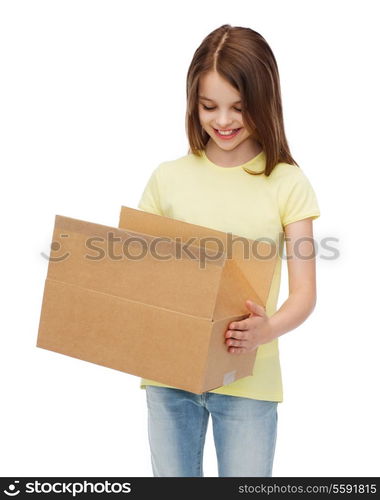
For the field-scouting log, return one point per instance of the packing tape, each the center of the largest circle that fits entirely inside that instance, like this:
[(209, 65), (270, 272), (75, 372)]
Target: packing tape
[(229, 377)]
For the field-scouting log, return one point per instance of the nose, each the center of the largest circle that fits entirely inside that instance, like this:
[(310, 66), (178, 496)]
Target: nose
[(223, 119)]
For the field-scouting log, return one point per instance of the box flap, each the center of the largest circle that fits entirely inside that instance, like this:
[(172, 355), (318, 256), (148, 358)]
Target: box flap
[(255, 259), (257, 267), (159, 225), (234, 290), (124, 264)]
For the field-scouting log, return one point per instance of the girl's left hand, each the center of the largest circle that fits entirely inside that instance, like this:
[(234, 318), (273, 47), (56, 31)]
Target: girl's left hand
[(247, 334)]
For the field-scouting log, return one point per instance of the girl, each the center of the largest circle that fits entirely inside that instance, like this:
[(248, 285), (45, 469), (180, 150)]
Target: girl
[(238, 177)]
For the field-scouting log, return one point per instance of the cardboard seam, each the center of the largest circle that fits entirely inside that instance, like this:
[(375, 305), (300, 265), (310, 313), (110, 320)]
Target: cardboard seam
[(217, 295), (203, 318), (206, 363)]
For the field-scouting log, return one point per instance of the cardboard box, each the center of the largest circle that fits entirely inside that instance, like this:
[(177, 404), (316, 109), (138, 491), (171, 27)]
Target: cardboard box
[(152, 298)]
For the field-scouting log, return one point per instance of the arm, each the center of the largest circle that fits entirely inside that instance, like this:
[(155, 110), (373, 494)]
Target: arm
[(257, 329)]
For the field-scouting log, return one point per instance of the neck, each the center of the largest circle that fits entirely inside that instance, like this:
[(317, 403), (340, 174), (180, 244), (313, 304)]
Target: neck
[(243, 153)]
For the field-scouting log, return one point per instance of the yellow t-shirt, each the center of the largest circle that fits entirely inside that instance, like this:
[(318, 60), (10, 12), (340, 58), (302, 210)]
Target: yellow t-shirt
[(228, 199)]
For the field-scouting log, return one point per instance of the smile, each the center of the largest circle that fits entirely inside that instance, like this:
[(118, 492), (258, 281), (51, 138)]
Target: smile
[(226, 134)]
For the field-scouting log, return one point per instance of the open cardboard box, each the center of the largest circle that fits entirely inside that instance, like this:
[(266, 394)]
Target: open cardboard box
[(152, 298)]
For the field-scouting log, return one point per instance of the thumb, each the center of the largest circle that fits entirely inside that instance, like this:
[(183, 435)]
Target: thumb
[(254, 308)]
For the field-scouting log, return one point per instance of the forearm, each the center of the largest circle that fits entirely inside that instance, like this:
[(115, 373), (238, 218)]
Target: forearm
[(291, 314)]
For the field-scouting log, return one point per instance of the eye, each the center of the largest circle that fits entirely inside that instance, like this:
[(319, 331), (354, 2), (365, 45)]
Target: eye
[(206, 108)]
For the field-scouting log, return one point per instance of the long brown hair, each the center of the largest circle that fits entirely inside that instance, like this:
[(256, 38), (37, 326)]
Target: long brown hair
[(243, 57)]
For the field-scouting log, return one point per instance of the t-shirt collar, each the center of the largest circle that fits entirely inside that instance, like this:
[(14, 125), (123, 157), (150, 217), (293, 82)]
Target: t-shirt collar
[(255, 164)]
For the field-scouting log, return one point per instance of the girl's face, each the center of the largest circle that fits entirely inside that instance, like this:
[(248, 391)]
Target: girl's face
[(219, 108)]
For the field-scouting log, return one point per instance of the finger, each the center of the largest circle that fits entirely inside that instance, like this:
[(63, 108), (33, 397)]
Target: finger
[(255, 308), (239, 325), (236, 334), (237, 350), (235, 343)]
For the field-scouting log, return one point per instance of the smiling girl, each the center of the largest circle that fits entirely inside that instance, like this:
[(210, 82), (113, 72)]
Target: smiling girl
[(237, 177)]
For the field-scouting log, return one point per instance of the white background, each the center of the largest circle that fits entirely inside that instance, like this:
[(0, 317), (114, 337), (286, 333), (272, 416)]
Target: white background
[(92, 99)]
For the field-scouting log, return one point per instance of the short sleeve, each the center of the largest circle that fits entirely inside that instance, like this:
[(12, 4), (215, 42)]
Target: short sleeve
[(298, 199), (150, 198)]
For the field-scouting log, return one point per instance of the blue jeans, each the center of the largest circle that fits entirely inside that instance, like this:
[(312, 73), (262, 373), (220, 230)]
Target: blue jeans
[(244, 429)]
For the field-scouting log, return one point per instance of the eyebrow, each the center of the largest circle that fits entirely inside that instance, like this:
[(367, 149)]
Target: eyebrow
[(208, 99)]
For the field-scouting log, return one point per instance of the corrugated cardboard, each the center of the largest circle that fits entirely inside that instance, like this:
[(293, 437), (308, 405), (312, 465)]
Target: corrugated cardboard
[(155, 308)]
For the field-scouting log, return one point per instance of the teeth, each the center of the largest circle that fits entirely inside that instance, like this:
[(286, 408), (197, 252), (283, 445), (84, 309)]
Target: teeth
[(229, 132)]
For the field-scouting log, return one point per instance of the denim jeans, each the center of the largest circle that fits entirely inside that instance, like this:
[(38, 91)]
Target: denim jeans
[(244, 430)]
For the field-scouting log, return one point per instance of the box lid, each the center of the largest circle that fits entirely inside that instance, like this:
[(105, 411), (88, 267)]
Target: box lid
[(248, 265), (124, 263)]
